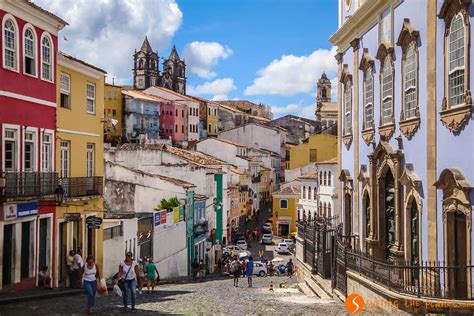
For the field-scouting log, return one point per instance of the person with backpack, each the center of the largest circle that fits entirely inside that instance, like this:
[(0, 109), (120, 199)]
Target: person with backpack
[(91, 276), (127, 278)]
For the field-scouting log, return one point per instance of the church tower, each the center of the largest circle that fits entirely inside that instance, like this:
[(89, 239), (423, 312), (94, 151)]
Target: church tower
[(324, 89), (145, 67), (174, 73)]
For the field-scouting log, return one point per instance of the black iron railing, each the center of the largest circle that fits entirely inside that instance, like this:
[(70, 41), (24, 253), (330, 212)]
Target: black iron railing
[(28, 184), (82, 186), (425, 279)]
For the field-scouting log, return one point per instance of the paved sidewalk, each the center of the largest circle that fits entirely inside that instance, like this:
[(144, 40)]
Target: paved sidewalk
[(36, 294)]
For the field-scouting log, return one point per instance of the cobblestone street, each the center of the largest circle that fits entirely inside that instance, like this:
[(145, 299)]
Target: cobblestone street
[(208, 297)]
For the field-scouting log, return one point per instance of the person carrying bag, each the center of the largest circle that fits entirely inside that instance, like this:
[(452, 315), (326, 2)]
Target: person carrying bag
[(127, 281), (90, 278)]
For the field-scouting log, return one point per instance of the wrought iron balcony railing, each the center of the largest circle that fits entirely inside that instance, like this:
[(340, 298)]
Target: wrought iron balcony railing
[(82, 186), (28, 184)]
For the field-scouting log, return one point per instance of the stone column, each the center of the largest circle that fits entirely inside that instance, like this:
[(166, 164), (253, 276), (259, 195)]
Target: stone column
[(339, 57), (373, 236)]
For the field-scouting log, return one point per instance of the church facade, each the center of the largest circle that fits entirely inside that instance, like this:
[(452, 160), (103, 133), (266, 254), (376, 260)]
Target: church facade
[(146, 70), (407, 137)]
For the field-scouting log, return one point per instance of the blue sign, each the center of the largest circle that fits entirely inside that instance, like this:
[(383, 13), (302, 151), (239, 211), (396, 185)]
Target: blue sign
[(27, 209), (157, 218)]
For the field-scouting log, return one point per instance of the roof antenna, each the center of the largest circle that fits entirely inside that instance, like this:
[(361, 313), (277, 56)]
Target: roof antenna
[(113, 81)]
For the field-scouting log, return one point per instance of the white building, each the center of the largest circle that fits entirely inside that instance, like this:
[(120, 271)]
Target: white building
[(192, 105), (130, 191)]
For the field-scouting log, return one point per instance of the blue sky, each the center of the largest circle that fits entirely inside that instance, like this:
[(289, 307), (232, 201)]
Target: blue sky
[(269, 51)]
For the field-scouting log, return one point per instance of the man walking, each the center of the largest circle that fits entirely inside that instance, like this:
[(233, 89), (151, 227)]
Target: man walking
[(236, 270), (289, 268), (249, 271)]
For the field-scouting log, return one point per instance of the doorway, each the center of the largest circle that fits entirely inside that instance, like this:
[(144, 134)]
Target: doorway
[(388, 202), (283, 229), (26, 246), (348, 214), (63, 254), (457, 255), (44, 243), (7, 272)]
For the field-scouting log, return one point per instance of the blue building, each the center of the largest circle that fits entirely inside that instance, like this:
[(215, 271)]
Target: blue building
[(201, 228), (141, 116), (406, 142)]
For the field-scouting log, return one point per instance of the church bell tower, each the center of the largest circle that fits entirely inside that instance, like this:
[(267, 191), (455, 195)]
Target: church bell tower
[(145, 67)]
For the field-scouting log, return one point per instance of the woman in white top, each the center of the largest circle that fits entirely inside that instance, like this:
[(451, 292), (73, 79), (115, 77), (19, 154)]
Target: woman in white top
[(127, 278), (90, 276)]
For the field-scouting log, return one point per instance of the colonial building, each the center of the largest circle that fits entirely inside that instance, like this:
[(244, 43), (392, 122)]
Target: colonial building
[(260, 110), (326, 110), (146, 72), (28, 178), (79, 157), (298, 128), (113, 101), (320, 147), (285, 210), (406, 142)]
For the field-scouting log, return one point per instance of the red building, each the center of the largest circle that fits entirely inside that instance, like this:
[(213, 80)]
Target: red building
[(28, 44), (173, 122)]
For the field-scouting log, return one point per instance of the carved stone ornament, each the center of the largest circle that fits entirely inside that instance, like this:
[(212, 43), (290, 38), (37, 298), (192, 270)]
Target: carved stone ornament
[(456, 193), (455, 117), (368, 135), (386, 131), (339, 57), (451, 7), (364, 176), (366, 61), (347, 140), (409, 127), (345, 177), (407, 34), (413, 187)]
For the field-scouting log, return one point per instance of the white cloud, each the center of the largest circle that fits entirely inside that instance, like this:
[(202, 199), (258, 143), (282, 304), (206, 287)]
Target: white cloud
[(297, 109), (308, 111), (292, 74), (218, 88), (201, 57), (334, 83), (106, 33), (280, 110)]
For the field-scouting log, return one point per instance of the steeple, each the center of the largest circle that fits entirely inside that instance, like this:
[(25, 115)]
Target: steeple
[(146, 48), (323, 89), (145, 70), (174, 54)]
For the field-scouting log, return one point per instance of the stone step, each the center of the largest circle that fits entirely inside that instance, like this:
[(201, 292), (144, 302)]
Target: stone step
[(306, 290), (324, 284), (317, 289)]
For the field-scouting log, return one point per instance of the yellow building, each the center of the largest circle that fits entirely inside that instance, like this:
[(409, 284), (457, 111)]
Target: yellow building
[(320, 147), (79, 157), (284, 210), (112, 113), (212, 119)]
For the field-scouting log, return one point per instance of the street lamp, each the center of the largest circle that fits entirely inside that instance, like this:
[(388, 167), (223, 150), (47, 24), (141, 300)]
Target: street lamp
[(59, 195)]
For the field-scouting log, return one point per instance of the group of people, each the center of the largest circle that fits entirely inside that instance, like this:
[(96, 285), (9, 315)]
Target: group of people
[(241, 268), (198, 269)]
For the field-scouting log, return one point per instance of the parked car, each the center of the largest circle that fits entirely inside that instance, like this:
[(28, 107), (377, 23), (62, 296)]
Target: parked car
[(230, 249), (267, 239), (290, 243), (282, 248), (259, 268), (242, 244), (267, 227)]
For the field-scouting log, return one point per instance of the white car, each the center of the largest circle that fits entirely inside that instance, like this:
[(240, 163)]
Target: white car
[(230, 249), (259, 269), (267, 239), (267, 227), (282, 248), (290, 243), (241, 244)]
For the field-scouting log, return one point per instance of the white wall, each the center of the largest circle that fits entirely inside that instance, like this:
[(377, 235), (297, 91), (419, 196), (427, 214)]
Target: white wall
[(170, 251), (113, 253), (223, 151)]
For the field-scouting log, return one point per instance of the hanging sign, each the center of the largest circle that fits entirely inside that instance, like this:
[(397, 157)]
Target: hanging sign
[(93, 222)]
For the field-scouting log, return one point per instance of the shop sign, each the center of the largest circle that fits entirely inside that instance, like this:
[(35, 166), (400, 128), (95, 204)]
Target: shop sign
[(14, 211), (93, 222), (157, 218), (284, 218), (9, 211), (72, 217)]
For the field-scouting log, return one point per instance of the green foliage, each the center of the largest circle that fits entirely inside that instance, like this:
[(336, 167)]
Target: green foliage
[(168, 204)]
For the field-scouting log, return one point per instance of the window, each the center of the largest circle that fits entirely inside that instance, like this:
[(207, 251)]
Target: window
[(456, 61), (320, 178), (309, 193), (304, 192), (46, 59), (410, 78), (347, 107), (283, 203), (387, 91), (209, 128), (209, 111), (65, 90), (313, 155), (91, 98), (325, 178), (64, 157), (329, 178), (46, 153), (10, 45), (368, 98), (329, 210), (11, 149), (176, 112), (182, 113), (29, 52), (320, 208), (314, 194), (176, 128), (90, 160), (29, 152)]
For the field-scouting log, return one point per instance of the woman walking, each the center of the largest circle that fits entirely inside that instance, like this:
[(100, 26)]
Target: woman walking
[(91, 276), (151, 275), (127, 278)]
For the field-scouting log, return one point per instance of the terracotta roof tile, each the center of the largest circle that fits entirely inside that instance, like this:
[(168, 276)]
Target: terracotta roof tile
[(289, 190), (309, 176), (137, 94), (81, 61), (50, 14)]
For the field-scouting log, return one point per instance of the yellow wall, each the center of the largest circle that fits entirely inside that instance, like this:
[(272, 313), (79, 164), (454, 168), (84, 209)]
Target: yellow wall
[(325, 145), (212, 119), (289, 212), (113, 101), (80, 128)]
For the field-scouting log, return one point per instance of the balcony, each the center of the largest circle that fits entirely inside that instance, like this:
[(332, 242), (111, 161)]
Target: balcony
[(76, 187), (201, 228), (27, 184), (256, 179)]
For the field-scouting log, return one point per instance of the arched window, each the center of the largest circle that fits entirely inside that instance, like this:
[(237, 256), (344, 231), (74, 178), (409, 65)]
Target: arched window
[(456, 61), (10, 44), (320, 208), (348, 107), (329, 178), (46, 58), (387, 90), (325, 179), (29, 51), (368, 98), (320, 178), (304, 192), (309, 193), (325, 209), (329, 210), (314, 194), (410, 77)]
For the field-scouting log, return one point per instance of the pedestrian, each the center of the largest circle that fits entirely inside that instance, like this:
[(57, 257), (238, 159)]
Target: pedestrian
[(236, 271), (141, 275), (127, 277), (70, 271), (195, 268), (243, 268), (44, 280), (249, 271), (77, 264), (90, 277), (219, 265), (289, 268), (151, 275), (202, 270)]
